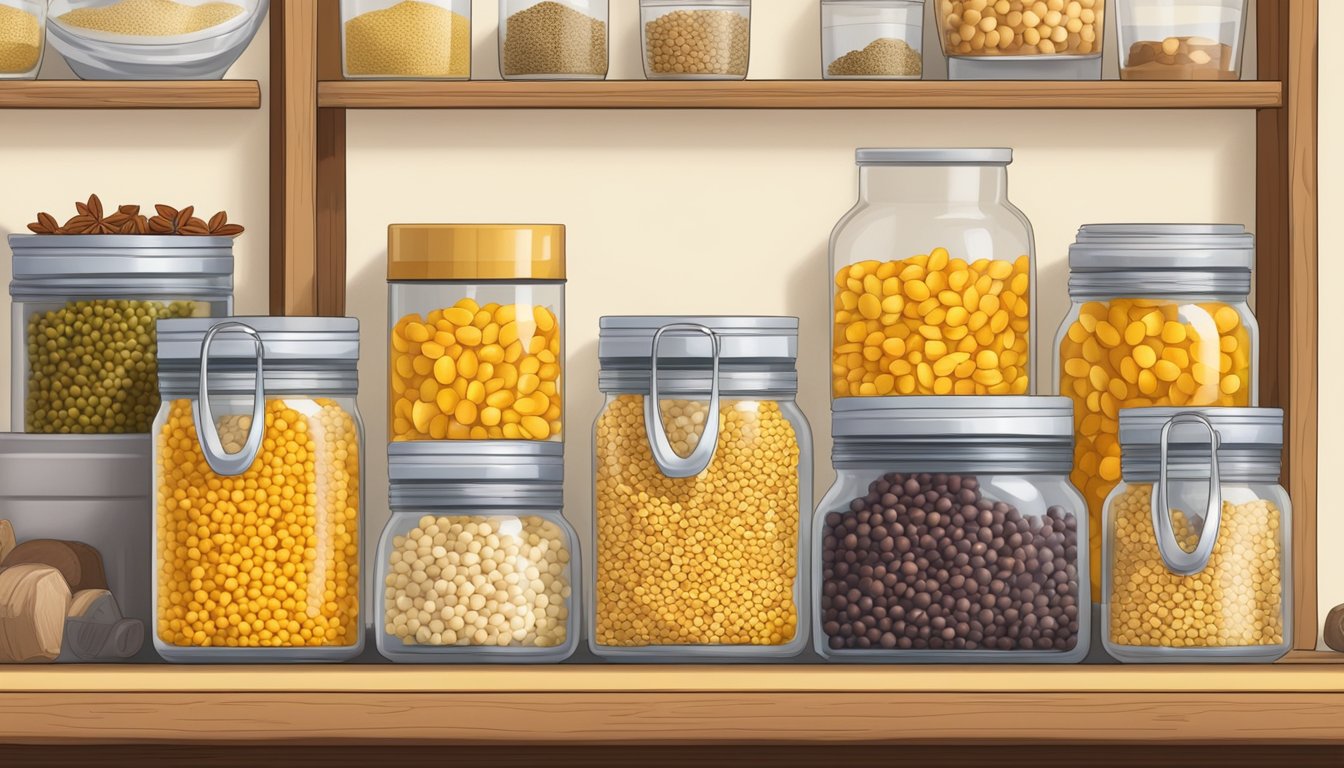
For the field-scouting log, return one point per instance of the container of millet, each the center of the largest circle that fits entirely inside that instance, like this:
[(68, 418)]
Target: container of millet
[(952, 534), (1022, 39), (553, 40), (872, 39), (406, 39), (696, 39), (1182, 39), (23, 34)]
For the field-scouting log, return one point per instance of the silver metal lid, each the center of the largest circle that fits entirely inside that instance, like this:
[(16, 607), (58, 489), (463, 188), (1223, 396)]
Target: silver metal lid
[(75, 466), (627, 342), (300, 355), (121, 265), (914, 156), (478, 473), (1249, 443)]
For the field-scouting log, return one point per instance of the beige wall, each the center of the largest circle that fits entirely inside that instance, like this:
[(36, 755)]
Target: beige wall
[(1329, 522)]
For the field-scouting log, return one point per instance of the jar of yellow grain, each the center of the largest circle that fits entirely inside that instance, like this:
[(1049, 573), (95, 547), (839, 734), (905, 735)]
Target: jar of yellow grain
[(934, 269), (1198, 539), (406, 39), (703, 473), (477, 331), (1022, 39), (696, 39), (258, 458), (23, 33), (1159, 318)]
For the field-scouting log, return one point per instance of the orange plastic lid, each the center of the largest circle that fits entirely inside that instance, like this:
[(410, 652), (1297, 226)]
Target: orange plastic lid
[(476, 252)]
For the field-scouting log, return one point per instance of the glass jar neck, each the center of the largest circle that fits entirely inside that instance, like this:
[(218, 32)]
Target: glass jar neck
[(926, 184)]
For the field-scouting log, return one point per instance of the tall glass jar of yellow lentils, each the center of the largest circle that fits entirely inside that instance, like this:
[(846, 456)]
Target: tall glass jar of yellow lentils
[(477, 331), (933, 278), (703, 475), (1198, 539), (258, 461), (1159, 318)]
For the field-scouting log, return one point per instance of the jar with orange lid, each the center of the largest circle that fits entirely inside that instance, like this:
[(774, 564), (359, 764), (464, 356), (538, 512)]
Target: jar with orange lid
[(1160, 317), (476, 346)]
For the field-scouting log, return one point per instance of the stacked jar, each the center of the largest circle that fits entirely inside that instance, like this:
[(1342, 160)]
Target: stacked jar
[(703, 468), (1159, 318), (258, 468)]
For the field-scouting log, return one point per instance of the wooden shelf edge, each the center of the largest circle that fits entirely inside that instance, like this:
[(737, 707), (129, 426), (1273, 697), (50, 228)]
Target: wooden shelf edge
[(795, 94), (130, 94)]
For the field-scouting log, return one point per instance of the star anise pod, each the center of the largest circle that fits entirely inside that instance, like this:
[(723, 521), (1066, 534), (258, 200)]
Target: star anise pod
[(90, 220), (165, 223), (128, 221), (219, 226), (46, 224)]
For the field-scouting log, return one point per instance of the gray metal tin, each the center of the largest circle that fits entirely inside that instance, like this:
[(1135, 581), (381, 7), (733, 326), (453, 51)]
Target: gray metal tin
[(1249, 446), (47, 266), (1161, 260), (303, 355), (757, 355), (1027, 67), (952, 156)]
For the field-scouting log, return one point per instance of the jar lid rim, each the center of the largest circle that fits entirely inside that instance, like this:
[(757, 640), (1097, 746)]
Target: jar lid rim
[(934, 156)]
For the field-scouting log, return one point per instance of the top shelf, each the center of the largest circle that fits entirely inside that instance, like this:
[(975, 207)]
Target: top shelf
[(796, 94), (130, 94)]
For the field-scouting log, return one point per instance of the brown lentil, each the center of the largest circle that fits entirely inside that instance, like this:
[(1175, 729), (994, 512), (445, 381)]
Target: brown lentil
[(553, 39), (889, 56), (698, 43), (409, 39), (20, 40), (151, 17)]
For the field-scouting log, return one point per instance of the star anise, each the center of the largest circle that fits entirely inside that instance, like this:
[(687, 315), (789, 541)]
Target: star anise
[(165, 223), (219, 226), (90, 220), (128, 221), (46, 224)]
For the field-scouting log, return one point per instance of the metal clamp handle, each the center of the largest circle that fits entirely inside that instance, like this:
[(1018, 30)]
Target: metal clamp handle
[(1178, 560), (207, 434), (669, 462)]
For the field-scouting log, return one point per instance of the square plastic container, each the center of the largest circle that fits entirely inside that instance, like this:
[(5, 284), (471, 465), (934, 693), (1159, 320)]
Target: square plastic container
[(553, 39), (23, 33), (1046, 40), (1181, 39), (872, 39), (406, 39), (696, 39)]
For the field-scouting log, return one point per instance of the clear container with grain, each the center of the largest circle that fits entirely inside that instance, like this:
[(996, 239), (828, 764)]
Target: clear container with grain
[(872, 39), (933, 278), (553, 39), (696, 39), (477, 343), (1022, 39), (23, 35), (406, 39), (477, 563), (258, 469), (1181, 39), (83, 350), (703, 479), (1160, 317), (1198, 539), (952, 534)]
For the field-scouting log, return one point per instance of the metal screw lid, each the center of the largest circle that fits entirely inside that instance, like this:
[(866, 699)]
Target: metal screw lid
[(934, 156)]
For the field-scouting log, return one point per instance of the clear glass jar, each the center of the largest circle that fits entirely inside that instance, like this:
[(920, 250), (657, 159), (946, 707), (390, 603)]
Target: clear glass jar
[(1159, 318), (1182, 39), (23, 36), (872, 39), (952, 534), (696, 39), (477, 315), (934, 278), (83, 346), (1059, 40), (406, 39), (553, 39), (257, 478), (1198, 539), (699, 518), (477, 563)]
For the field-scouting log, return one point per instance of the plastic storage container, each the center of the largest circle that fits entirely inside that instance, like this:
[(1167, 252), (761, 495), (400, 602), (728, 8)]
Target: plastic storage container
[(477, 563), (700, 502), (872, 39), (1181, 39), (166, 40), (1054, 40), (696, 39), (83, 346), (477, 318), (1159, 318), (258, 465), (406, 39), (934, 278), (1198, 545), (23, 35), (952, 534), (553, 40)]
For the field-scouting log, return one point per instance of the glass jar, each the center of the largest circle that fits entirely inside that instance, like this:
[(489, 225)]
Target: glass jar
[(477, 331), (952, 534), (872, 39), (1182, 39), (406, 39), (1198, 546), (1059, 40), (934, 278), (699, 524), (553, 40), (1159, 318), (83, 349), (478, 562), (696, 39), (23, 35), (258, 462)]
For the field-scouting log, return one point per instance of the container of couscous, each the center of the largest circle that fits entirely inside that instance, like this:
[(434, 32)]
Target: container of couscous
[(23, 34), (553, 40), (406, 39)]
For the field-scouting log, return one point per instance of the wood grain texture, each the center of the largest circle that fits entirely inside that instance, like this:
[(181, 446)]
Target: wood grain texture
[(796, 94), (294, 157), (331, 178), (116, 94)]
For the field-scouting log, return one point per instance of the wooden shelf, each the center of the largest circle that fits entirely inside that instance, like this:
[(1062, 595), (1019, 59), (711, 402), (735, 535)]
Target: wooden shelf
[(795, 94), (128, 94)]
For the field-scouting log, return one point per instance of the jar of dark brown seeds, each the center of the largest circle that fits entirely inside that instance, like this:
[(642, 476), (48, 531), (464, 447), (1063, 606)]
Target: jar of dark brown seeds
[(952, 534)]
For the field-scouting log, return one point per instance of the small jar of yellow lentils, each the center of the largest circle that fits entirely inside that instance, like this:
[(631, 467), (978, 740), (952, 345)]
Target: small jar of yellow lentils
[(477, 343), (1198, 539), (23, 35), (1159, 318), (406, 39), (703, 474), (258, 461), (933, 278)]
